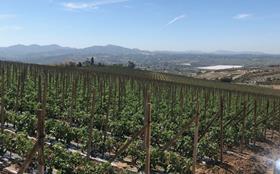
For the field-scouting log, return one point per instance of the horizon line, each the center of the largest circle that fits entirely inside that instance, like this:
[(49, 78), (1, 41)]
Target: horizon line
[(156, 50)]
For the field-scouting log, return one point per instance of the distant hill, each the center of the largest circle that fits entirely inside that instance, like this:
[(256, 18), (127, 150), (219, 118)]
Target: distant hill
[(33, 48), (226, 52), (111, 49), (58, 54), (113, 54)]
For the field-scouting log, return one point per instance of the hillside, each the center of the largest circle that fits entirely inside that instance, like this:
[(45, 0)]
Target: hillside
[(120, 120), (169, 61)]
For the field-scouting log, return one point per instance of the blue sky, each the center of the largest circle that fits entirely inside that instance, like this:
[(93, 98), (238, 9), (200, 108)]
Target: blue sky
[(206, 25)]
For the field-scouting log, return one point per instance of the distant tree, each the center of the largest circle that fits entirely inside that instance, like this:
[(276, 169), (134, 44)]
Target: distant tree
[(226, 79), (100, 64), (117, 65), (71, 64), (131, 65), (79, 64), (68, 64), (92, 61), (87, 62)]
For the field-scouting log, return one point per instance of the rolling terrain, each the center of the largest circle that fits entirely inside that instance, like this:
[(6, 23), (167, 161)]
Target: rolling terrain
[(185, 63)]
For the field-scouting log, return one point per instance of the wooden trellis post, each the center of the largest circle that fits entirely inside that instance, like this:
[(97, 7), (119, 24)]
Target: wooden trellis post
[(229, 101), (73, 99), (39, 145), (206, 101), (41, 137), (196, 121), (89, 145), (242, 141), (274, 111), (115, 97), (17, 93), (108, 111), (221, 127), (2, 116), (146, 129), (119, 94), (148, 140), (255, 121), (267, 113), (237, 97), (173, 98), (278, 115), (181, 100), (64, 88), (2, 103), (145, 102)]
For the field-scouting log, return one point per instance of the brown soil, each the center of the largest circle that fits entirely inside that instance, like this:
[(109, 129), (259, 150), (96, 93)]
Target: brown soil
[(253, 160)]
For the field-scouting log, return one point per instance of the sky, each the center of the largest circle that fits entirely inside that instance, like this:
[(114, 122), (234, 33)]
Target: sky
[(175, 25)]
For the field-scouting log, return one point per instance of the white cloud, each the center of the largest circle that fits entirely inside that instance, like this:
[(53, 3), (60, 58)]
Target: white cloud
[(7, 16), (127, 6), (10, 28), (243, 16), (176, 19), (75, 6), (90, 5)]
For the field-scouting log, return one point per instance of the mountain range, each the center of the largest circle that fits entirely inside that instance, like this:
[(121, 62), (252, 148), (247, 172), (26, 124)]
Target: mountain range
[(51, 54), (31, 53)]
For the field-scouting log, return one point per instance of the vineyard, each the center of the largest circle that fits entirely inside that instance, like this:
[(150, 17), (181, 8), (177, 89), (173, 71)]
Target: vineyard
[(111, 120)]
